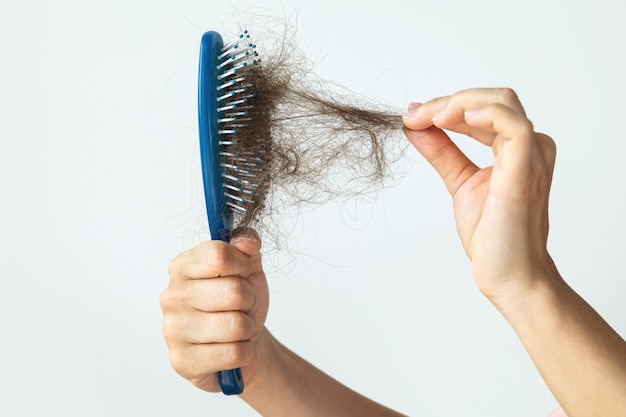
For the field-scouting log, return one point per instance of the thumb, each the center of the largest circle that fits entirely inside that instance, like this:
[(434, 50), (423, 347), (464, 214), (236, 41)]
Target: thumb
[(247, 241), (452, 165)]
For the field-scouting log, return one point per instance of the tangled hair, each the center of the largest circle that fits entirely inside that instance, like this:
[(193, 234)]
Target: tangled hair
[(321, 141)]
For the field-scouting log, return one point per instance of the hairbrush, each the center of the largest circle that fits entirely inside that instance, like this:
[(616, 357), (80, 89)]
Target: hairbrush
[(233, 143)]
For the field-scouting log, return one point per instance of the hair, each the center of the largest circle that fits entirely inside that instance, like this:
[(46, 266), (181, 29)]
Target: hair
[(321, 141)]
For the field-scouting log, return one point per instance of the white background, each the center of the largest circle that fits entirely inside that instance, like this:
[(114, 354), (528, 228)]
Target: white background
[(100, 189)]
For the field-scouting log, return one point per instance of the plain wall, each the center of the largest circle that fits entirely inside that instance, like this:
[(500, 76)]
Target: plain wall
[(100, 183)]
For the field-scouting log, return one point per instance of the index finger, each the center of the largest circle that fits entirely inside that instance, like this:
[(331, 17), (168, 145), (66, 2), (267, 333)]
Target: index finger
[(210, 259), (448, 112)]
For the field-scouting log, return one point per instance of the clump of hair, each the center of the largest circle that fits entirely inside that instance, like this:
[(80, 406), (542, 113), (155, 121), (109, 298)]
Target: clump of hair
[(320, 141)]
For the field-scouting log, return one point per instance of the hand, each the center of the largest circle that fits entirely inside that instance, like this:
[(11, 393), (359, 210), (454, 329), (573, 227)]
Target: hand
[(215, 308), (501, 211)]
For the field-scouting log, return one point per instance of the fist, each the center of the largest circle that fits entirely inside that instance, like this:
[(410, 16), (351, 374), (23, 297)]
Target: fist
[(214, 309)]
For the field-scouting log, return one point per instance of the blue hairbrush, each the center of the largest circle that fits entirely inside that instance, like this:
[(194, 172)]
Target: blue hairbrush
[(233, 143)]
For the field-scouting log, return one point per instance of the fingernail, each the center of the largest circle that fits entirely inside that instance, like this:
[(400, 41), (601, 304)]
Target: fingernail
[(413, 108), (414, 105)]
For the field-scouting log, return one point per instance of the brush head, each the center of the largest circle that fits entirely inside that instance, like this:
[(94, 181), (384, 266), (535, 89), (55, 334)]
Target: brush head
[(234, 132)]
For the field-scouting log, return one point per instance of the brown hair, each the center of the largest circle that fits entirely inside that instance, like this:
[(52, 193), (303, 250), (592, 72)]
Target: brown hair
[(319, 140)]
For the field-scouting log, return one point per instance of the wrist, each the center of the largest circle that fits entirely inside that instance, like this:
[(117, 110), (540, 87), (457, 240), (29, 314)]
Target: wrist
[(520, 288), (271, 359)]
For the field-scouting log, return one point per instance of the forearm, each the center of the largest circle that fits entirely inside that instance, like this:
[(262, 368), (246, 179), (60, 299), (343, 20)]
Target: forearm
[(581, 358), (290, 386)]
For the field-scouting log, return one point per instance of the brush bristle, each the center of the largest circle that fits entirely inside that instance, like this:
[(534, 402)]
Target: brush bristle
[(244, 137)]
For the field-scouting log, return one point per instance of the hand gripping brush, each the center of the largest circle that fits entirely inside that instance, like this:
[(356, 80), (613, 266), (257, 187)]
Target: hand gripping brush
[(233, 143)]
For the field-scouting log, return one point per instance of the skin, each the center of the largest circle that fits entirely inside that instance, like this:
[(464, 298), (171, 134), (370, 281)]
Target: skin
[(217, 301)]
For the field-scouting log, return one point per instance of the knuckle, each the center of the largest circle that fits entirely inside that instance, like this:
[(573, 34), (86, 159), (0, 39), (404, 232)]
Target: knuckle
[(234, 355), (508, 95), (233, 293), (171, 328), (241, 326), (178, 362), (526, 127), (188, 363), (218, 254), (460, 93), (547, 146), (173, 267), (167, 300), (547, 141)]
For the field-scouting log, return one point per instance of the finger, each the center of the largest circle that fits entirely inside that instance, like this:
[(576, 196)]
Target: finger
[(451, 164), (510, 130), (512, 146), (448, 112), (216, 294), (452, 116), (203, 328), (479, 97), (548, 149), (414, 105), (247, 241), (208, 260), (198, 361), (420, 116)]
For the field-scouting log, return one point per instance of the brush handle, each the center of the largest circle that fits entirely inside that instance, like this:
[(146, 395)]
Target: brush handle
[(231, 381), (220, 220), (218, 213)]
